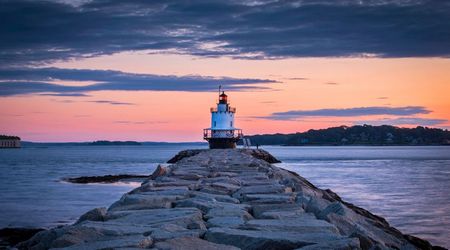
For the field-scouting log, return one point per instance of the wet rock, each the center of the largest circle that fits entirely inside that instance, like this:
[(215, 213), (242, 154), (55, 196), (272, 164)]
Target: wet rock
[(226, 221), (205, 206), (301, 224), (183, 216), (119, 227), (191, 243), (213, 197), (160, 171), (129, 241), (269, 198), (228, 212), (341, 244), (263, 155), (96, 214), (253, 239), (282, 209), (62, 237), (11, 236), (227, 188), (170, 231), (105, 178), (271, 189), (184, 154), (144, 201)]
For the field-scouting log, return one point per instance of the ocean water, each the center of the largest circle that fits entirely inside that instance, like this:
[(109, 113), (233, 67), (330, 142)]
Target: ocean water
[(409, 186)]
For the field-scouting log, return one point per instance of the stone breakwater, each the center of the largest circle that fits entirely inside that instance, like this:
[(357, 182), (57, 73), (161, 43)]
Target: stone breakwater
[(226, 199)]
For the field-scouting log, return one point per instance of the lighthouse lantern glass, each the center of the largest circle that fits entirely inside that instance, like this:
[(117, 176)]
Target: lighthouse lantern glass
[(223, 98)]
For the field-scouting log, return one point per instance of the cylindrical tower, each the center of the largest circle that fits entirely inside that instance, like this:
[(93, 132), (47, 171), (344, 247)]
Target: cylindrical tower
[(222, 133)]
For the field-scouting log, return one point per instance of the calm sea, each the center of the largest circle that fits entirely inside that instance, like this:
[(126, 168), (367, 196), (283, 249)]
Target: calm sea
[(409, 186)]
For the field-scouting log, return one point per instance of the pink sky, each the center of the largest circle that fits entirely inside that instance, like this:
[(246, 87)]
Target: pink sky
[(329, 83)]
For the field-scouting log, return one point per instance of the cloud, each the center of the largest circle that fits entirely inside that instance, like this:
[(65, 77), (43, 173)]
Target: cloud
[(331, 83), (14, 81), (382, 98), (348, 112), (63, 94), (34, 32), (112, 102), (297, 78), (140, 122), (416, 121)]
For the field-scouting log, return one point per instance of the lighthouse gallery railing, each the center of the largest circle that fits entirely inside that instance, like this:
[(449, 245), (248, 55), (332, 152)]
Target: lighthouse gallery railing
[(222, 133)]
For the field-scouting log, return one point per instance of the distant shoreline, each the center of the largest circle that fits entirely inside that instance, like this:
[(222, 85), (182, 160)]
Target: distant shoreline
[(364, 135), (78, 144), (113, 143)]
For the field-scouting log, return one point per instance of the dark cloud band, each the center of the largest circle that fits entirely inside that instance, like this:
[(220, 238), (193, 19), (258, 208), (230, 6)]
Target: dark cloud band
[(349, 112), (42, 81), (41, 31)]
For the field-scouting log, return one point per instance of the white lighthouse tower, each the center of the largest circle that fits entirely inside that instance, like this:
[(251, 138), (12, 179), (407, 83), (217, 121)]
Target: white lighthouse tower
[(222, 133)]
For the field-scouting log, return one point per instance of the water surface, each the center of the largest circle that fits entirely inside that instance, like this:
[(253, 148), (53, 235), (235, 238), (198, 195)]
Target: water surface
[(406, 185), (409, 186)]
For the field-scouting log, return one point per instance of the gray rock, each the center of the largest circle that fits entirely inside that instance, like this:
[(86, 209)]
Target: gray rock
[(211, 190), (213, 197), (161, 170), (64, 237), (191, 243), (180, 216), (189, 175), (170, 190), (226, 187), (302, 224), (316, 205), (205, 206), (226, 221), (135, 241), (223, 179), (269, 198), (228, 212), (251, 239), (283, 214), (342, 244), (96, 214), (170, 231), (144, 201), (272, 189), (227, 174), (259, 209), (119, 228)]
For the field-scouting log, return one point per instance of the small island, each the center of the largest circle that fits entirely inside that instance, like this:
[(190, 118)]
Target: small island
[(115, 143)]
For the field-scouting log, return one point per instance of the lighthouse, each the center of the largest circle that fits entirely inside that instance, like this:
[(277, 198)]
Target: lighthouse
[(222, 133)]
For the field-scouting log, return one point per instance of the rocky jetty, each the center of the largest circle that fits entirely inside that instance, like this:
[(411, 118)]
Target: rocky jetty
[(226, 199)]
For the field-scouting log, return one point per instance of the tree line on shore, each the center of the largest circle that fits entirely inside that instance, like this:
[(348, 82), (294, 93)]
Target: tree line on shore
[(358, 135), (9, 137)]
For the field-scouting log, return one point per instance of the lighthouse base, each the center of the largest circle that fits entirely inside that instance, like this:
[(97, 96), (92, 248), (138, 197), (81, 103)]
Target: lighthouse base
[(222, 143)]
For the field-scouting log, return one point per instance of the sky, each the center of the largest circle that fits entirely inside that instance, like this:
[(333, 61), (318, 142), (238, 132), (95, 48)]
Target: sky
[(87, 70)]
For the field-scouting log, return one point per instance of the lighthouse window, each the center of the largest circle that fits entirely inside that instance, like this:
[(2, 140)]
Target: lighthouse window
[(231, 124), (214, 123)]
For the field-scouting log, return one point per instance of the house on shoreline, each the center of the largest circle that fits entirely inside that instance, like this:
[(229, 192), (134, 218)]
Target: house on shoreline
[(7, 141)]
